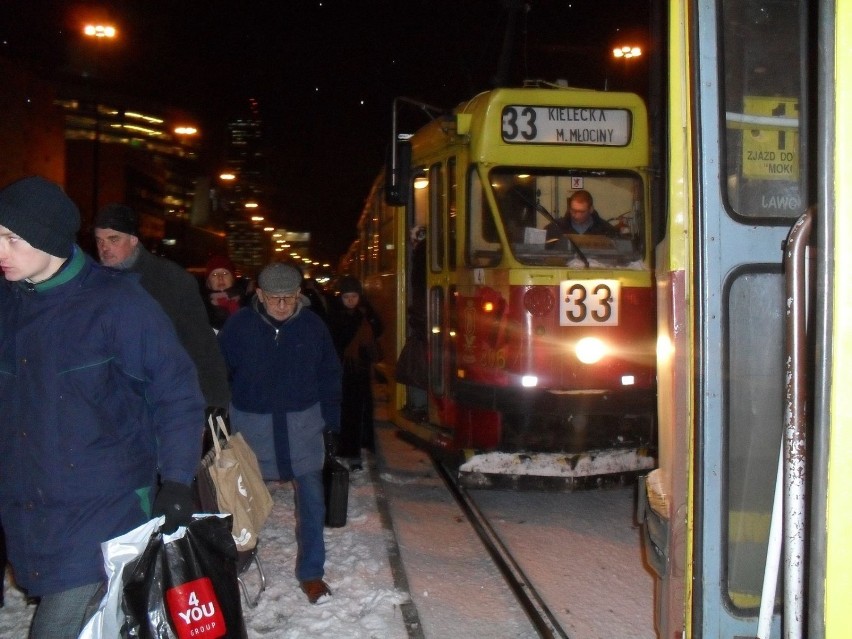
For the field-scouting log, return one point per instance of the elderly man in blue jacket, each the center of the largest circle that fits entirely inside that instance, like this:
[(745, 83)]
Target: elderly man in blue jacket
[(100, 408), (286, 387)]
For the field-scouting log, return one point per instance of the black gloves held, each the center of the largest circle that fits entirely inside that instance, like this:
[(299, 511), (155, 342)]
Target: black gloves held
[(175, 502), (331, 441)]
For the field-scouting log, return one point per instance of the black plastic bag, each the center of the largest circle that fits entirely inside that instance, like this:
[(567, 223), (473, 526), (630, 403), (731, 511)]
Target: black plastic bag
[(186, 587)]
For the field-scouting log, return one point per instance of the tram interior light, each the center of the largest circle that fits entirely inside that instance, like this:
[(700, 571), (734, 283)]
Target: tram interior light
[(590, 350), (488, 307), (628, 380)]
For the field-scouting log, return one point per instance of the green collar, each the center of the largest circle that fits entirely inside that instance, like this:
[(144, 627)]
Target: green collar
[(71, 267)]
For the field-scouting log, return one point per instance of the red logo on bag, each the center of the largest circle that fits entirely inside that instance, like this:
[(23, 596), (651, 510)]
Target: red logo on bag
[(195, 610)]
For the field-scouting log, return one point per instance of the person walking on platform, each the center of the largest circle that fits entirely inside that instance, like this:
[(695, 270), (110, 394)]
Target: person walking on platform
[(98, 399), (285, 378), (117, 239), (355, 328), (224, 292)]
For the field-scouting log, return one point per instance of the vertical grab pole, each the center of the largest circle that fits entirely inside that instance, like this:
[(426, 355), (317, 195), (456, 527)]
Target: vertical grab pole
[(795, 449)]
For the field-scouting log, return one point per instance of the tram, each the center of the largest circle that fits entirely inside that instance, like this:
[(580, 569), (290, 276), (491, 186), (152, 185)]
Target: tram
[(538, 347), (746, 519)]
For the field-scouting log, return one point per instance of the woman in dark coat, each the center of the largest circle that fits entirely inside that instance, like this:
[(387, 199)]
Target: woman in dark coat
[(355, 329), (224, 293)]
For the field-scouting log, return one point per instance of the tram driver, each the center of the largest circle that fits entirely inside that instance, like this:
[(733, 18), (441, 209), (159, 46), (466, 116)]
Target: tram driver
[(580, 218)]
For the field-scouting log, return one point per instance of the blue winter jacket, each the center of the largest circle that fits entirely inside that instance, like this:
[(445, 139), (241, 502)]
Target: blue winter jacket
[(97, 397), (284, 368)]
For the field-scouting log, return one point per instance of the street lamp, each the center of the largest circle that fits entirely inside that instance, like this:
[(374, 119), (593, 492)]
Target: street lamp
[(624, 54), (627, 51), (99, 33)]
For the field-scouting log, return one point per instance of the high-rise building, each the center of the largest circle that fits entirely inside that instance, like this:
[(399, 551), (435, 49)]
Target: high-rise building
[(244, 197)]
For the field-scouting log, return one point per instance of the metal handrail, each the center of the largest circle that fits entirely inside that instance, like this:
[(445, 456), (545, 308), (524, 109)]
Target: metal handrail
[(795, 425)]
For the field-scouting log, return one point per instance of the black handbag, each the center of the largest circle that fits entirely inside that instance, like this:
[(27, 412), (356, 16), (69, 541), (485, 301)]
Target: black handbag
[(336, 482)]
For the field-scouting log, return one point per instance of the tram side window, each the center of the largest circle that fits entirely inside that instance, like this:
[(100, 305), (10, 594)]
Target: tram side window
[(372, 244), (451, 214), (483, 247), (387, 256), (436, 217)]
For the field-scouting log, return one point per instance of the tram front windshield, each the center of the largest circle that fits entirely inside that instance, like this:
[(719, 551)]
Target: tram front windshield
[(533, 204)]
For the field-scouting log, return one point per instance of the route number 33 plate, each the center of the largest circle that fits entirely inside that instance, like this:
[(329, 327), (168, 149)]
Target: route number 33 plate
[(588, 302)]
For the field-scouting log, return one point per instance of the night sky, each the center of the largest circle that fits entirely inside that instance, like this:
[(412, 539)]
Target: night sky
[(324, 73)]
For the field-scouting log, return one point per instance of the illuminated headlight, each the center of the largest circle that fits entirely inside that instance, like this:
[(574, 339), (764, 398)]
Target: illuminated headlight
[(590, 350), (529, 381)]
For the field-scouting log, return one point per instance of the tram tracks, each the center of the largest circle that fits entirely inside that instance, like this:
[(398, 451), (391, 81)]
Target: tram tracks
[(529, 598)]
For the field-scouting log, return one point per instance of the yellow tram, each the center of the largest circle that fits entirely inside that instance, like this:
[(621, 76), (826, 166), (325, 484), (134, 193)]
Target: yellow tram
[(539, 341)]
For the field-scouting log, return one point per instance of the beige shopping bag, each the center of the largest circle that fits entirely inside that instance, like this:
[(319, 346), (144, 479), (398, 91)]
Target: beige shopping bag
[(231, 470)]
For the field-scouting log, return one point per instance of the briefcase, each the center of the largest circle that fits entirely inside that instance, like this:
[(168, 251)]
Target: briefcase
[(336, 481)]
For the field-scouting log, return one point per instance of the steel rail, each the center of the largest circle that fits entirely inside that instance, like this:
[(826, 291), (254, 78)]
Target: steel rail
[(536, 609)]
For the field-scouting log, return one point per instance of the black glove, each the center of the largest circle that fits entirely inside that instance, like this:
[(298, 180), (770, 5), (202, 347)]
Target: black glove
[(175, 502), (331, 441)]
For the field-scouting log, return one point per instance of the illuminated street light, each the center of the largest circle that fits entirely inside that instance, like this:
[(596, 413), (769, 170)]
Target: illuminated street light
[(251, 205), (100, 31), (186, 130), (626, 52), (227, 177), (623, 65)]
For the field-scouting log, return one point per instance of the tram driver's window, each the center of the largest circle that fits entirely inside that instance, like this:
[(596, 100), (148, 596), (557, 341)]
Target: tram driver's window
[(483, 246)]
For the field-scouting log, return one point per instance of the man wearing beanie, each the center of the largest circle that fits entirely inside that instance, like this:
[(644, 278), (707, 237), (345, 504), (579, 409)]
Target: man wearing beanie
[(101, 404), (285, 381), (177, 292)]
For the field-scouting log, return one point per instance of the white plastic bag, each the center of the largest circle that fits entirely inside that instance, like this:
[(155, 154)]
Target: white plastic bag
[(107, 621)]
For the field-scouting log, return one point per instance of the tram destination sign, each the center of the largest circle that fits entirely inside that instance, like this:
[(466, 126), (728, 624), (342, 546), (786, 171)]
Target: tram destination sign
[(588, 126)]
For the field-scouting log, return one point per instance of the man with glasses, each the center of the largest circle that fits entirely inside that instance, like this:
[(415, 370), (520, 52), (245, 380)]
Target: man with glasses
[(580, 218), (285, 395)]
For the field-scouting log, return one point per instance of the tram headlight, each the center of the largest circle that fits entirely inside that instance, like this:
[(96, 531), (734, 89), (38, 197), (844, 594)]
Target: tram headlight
[(529, 381), (590, 350)]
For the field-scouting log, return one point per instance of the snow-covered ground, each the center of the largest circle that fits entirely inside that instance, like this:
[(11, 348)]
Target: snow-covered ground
[(582, 551)]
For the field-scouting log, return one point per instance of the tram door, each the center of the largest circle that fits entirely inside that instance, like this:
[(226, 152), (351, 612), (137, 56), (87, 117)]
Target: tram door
[(440, 199), (752, 185), (434, 206)]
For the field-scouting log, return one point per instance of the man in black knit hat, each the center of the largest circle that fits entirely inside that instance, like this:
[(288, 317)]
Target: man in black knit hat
[(99, 402), (117, 239)]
